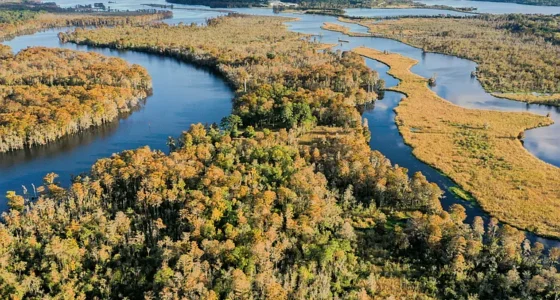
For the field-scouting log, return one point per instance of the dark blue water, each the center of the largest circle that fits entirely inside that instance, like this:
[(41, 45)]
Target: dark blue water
[(385, 138), (182, 95), (454, 81)]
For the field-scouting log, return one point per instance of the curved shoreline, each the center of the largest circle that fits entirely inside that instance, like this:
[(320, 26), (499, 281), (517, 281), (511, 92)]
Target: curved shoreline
[(518, 160), (172, 107), (519, 97), (342, 29)]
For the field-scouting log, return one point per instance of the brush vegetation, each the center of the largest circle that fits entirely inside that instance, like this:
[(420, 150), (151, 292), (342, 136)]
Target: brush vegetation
[(478, 149)]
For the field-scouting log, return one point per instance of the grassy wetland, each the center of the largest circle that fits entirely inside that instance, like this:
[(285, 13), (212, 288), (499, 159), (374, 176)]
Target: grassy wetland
[(480, 150), (342, 29), (518, 56)]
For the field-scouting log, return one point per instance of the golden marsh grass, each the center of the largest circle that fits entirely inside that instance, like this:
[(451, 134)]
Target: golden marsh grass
[(478, 149), (342, 29)]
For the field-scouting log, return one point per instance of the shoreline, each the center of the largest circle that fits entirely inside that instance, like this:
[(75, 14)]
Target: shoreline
[(512, 96), (419, 149)]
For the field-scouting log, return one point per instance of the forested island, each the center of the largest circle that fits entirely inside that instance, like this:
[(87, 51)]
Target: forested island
[(50, 93), (283, 200), (46, 94), (17, 22), (518, 55)]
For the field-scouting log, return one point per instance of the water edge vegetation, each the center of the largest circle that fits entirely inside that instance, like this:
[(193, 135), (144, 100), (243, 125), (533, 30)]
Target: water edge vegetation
[(481, 150), (518, 55)]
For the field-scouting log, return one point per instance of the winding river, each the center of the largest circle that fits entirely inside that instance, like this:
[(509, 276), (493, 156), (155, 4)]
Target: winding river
[(184, 95)]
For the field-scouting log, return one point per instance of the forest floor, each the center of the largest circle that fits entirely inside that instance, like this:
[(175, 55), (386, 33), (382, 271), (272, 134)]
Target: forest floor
[(478, 149)]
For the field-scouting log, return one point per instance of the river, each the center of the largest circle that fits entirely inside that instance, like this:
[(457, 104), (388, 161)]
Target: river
[(182, 95), (169, 110)]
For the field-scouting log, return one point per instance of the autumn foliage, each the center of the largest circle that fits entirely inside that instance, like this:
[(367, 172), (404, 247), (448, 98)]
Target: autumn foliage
[(47, 93), (13, 23), (281, 79), (286, 210), (517, 55)]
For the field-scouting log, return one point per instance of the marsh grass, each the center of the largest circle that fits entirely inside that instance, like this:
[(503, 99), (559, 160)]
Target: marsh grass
[(342, 29), (552, 99), (478, 149), (511, 65), (321, 133)]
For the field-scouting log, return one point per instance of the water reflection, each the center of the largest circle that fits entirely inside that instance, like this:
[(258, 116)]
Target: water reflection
[(167, 112), (182, 95)]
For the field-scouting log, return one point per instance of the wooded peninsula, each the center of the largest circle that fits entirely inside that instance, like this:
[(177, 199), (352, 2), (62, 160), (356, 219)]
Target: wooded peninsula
[(46, 94), (284, 199)]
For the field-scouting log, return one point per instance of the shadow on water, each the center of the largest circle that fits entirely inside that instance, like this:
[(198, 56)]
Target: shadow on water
[(182, 95)]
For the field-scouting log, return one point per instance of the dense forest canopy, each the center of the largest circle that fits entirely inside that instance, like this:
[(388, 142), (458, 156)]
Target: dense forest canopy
[(49, 93), (289, 210), (283, 89)]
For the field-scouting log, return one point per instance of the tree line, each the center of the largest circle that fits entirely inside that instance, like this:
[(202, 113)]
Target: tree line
[(530, 2), (17, 22), (306, 4), (49, 93), (516, 53), (262, 206)]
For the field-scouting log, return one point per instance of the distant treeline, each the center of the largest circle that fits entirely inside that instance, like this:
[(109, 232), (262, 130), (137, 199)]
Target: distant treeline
[(303, 4), (529, 2), (516, 53), (222, 3)]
